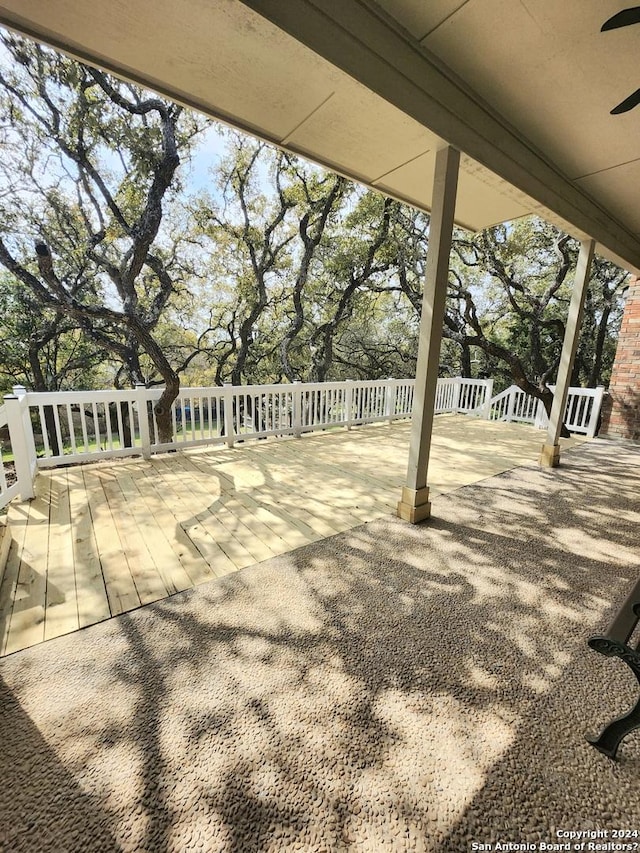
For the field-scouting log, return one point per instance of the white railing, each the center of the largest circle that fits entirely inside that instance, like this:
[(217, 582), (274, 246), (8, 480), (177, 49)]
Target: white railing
[(463, 395), (15, 419), (77, 426), (514, 404), (581, 413), (54, 428), (9, 487)]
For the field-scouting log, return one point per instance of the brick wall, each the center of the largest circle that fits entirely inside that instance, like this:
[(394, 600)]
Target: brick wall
[(621, 418)]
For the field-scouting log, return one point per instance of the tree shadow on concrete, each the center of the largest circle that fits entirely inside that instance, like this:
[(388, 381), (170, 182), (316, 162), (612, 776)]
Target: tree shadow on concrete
[(42, 806), (390, 688)]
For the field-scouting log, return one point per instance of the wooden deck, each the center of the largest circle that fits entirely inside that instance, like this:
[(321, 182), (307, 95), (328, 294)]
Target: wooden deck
[(102, 539)]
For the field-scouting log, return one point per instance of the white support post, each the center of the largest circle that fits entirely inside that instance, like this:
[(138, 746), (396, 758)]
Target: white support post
[(457, 390), (297, 409), (594, 417), (348, 401), (143, 419), (485, 412), (227, 397), (22, 443), (390, 401), (513, 390), (541, 421), (414, 505), (550, 456), (21, 392)]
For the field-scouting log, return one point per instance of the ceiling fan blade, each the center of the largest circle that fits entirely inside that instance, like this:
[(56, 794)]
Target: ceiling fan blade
[(622, 19), (628, 104)]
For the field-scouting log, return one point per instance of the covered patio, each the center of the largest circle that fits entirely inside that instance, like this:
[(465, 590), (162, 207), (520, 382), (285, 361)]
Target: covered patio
[(106, 538), (393, 687)]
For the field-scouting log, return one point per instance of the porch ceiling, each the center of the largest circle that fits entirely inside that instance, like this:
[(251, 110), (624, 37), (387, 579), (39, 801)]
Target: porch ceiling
[(372, 90)]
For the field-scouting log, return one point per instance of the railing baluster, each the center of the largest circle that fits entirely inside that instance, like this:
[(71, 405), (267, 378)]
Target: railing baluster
[(83, 426), (120, 426), (3, 476), (56, 420), (182, 417), (132, 424), (43, 430), (107, 412), (96, 425), (72, 432)]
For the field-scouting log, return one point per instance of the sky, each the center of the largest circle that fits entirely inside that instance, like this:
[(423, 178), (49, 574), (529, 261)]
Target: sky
[(211, 149)]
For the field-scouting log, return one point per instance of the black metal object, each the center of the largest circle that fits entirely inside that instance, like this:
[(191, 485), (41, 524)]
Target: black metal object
[(622, 19), (625, 18), (628, 104), (615, 644)]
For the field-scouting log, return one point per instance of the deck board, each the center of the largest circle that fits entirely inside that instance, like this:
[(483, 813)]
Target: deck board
[(189, 567), (149, 528), (106, 538), (61, 615), (28, 612), (93, 604), (116, 569), (19, 518)]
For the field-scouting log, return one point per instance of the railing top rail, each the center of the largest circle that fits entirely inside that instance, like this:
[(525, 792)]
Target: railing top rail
[(50, 398), (281, 387), (505, 393), (60, 398)]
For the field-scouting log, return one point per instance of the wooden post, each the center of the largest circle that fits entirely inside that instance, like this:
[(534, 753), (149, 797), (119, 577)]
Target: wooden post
[(550, 456), (485, 412), (143, 419), (513, 390), (414, 505), (22, 444), (228, 413), (390, 401), (348, 402), (297, 409), (541, 421), (21, 392), (594, 417), (457, 389)]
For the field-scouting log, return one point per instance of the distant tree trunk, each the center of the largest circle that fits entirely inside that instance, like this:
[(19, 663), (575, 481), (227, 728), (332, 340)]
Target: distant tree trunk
[(596, 368), (40, 384), (114, 422), (465, 360)]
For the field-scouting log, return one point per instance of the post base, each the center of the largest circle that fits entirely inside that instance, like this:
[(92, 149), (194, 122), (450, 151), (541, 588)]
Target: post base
[(550, 456), (415, 505)]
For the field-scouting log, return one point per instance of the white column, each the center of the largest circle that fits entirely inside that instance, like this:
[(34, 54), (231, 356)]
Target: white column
[(390, 399), (297, 409), (227, 398), (414, 505), (22, 444), (486, 406), (143, 420), (550, 456)]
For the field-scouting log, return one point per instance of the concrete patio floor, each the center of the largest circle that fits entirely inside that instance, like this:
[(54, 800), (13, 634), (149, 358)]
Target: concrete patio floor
[(391, 688), (106, 538)]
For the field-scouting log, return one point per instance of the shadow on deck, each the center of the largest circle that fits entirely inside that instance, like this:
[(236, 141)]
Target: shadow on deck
[(104, 539)]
